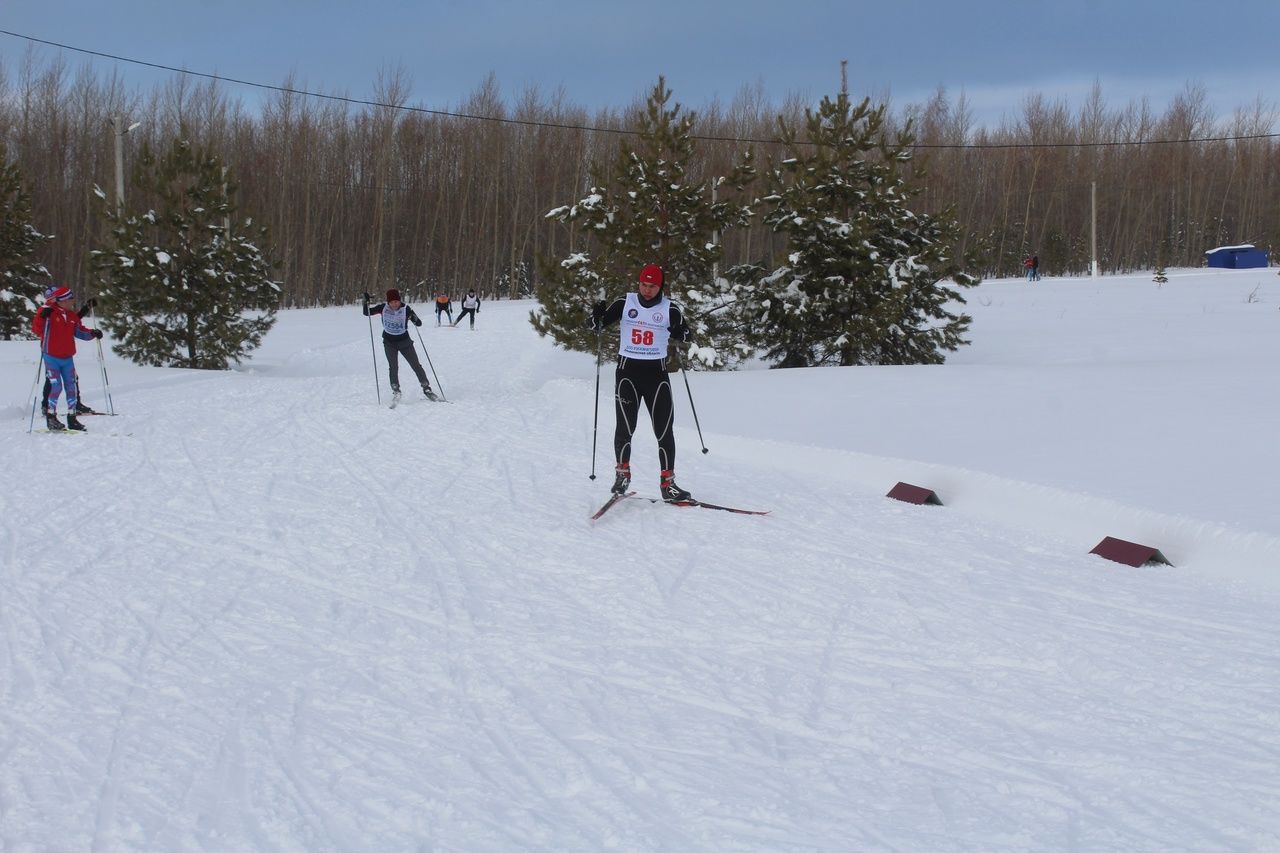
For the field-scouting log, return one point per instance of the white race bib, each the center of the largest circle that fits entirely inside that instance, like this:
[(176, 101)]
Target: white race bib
[(644, 330), (395, 322)]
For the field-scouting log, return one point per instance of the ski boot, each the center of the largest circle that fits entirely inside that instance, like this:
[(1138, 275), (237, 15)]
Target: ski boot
[(52, 423), (82, 409), (671, 493), (428, 393), (621, 478), (72, 423)]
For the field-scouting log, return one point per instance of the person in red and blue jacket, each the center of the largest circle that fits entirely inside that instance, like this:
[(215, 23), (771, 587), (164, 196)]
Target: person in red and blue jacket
[(57, 327), (84, 310)]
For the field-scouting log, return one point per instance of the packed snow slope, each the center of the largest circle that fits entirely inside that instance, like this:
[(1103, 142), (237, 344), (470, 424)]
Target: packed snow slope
[(260, 611)]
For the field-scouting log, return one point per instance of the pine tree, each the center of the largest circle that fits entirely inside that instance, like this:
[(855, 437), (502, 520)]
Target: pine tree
[(516, 282), (647, 211), (1160, 277), (176, 289), (864, 278), (22, 277)]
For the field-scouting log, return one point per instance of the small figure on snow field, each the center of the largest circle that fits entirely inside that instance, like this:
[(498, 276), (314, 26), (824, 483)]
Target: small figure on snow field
[(470, 305), (58, 327), (396, 317), (648, 320), (443, 306)]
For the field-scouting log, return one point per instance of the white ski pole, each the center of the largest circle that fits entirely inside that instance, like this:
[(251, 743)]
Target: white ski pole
[(44, 337)]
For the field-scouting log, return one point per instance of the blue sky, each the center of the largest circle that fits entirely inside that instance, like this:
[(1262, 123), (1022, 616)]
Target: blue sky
[(608, 53)]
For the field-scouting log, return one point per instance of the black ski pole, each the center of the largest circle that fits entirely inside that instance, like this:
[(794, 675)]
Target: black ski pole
[(429, 364), (595, 423), (694, 409), (377, 383)]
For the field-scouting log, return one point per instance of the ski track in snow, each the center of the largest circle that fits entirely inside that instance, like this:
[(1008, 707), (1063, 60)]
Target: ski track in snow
[(279, 616)]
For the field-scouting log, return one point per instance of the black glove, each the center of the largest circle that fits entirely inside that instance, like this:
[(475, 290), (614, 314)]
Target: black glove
[(87, 307), (417, 321), (46, 311), (597, 315), (367, 297), (97, 333)]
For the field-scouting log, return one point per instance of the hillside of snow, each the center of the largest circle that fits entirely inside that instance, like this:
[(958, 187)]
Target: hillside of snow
[(260, 611)]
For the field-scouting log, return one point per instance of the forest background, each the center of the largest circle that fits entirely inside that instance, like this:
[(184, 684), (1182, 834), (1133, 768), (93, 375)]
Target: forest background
[(369, 194)]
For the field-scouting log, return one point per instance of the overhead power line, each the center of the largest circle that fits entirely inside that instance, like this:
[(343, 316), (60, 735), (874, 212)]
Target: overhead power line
[(617, 131)]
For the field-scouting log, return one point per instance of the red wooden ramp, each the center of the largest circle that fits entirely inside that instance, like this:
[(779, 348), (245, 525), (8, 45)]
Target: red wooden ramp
[(1129, 553), (913, 494)]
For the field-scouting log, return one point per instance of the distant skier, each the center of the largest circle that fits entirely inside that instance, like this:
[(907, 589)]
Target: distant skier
[(396, 317), (443, 306), (1035, 267), (81, 409), (470, 305), (648, 320), (58, 327)]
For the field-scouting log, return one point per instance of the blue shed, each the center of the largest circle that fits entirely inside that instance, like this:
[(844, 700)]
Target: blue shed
[(1241, 257)]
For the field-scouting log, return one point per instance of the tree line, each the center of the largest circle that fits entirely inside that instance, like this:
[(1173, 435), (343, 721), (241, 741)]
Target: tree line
[(363, 197)]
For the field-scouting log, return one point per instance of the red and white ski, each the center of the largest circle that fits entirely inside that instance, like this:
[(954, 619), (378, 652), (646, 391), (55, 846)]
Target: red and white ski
[(609, 504)]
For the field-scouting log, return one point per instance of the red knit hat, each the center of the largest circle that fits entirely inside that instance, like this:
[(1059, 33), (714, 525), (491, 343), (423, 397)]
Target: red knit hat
[(652, 274), (61, 294), (393, 295)]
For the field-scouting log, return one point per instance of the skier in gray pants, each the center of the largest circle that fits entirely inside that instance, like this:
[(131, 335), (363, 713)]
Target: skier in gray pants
[(396, 317)]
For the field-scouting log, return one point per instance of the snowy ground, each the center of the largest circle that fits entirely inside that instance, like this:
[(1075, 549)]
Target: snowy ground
[(258, 611)]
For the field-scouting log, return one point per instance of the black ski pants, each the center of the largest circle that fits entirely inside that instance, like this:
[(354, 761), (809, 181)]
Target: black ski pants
[(636, 380), (465, 312), (394, 347)]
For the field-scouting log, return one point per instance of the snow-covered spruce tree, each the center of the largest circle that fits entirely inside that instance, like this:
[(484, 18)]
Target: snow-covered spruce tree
[(22, 277), (516, 282), (864, 281), (176, 289), (647, 211)]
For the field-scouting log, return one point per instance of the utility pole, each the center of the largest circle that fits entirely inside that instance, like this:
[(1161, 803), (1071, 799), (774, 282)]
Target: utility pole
[(117, 126), (1093, 227)]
